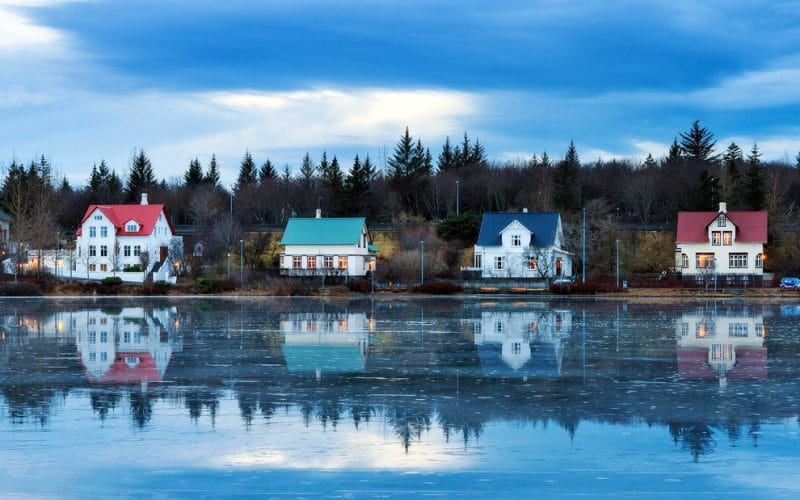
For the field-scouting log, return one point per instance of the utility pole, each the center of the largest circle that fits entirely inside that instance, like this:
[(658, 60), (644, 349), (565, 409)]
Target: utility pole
[(617, 266), (583, 252)]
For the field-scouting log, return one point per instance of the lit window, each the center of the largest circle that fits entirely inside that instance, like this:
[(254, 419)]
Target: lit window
[(716, 238), (704, 260), (342, 262), (727, 238), (311, 262), (531, 262), (516, 240)]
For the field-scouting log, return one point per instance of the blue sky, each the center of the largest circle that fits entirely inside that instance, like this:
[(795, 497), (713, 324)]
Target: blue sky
[(91, 80)]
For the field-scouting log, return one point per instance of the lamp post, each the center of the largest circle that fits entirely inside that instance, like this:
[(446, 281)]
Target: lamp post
[(229, 262), (241, 262), (617, 266), (583, 251), (421, 262), (458, 207)]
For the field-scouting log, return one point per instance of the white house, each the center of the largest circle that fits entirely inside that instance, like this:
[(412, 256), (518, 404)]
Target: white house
[(129, 241), (5, 224), (522, 245), (724, 245), (327, 247)]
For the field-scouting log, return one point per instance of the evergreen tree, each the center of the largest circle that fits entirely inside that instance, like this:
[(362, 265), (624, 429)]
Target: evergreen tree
[(267, 171), (194, 174), (708, 194), (140, 178), (730, 182), (409, 171), (545, 162), (754, 181), (797, 161), (94, 179), (248, 175), (674, 156), (477, 154), (357, 186), (566, 193), (212, 176), (447, 158), (324, 167), (698, 143), (307, 170), (463, 152), (650, 162)]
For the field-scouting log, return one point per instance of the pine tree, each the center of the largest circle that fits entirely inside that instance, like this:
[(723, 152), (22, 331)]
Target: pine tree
[(247, 172), (212, 176), (307, 170), (566, 194), (267, 171), (708, 195), (477, 154), (545, 162), (409, 171), (357, 186), (650, 162), (140, 178), (674, 156), (754, 181), (730, 182), (324, 167), (194, 174), (94, 179), (447, 158), (698, 143)]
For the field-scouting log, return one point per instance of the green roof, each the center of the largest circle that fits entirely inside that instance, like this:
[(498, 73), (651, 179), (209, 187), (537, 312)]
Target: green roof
[(323, 231), (326, 358)]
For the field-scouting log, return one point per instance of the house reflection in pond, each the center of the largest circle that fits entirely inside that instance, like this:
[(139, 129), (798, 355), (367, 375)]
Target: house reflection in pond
[(522, 343), (127, 346), (328, 342), (728, 345)]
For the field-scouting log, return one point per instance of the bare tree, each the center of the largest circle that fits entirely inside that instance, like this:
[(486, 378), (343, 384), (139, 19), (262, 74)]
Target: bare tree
[(144, 260)]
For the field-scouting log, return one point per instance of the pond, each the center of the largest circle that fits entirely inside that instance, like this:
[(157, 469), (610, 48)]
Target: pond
[(474, 396)]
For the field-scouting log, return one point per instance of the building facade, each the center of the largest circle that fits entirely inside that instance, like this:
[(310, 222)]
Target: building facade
[(725, 246), (522, 245)]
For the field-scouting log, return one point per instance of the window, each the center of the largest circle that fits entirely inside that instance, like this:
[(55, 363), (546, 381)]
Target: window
[(759, 260), (103, 337), (92, 356), (103, 232), (727, 238), (103, 268), (92, 267), (342, 262), (92, 337), (311, 262), (92, 251), (131, 227), (516, 240), (103, 250), (516, 348), (126, 250), (705, 329), (297, 262), (531, 262), (716, 238), (737, 330), (737, 260), (721, 220), (478, 260), (328, 262), (704, 260), (499, 262), (498, 327), (137, 250), (104, 356), (684, 261), (98, 217), (92, 232)]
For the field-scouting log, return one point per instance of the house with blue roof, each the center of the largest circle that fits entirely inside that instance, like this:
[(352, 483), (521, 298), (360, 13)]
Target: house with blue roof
[(327, 246), (522, 245)]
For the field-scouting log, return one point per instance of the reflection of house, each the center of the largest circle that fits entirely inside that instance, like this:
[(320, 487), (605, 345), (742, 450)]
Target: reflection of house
[(326, 342), (724, 346), (522, 343), (522, 245), (128, 241), (129, 346), (724, 243), (327, 247)]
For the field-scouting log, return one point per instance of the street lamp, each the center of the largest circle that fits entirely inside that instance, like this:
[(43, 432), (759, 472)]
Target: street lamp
[(617, 266), (229, 263)]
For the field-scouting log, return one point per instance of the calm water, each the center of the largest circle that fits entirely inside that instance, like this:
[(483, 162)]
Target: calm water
[(354, 398)]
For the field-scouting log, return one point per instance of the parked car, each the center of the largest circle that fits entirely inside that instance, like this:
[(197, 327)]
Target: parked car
[(790, 283)]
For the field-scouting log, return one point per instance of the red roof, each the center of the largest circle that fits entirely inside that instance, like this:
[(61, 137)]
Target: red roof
[(751, 364), (751, 226), (144, 370), (145, 216)]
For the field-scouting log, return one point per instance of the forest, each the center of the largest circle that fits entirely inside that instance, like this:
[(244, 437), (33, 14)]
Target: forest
[(434, 196)]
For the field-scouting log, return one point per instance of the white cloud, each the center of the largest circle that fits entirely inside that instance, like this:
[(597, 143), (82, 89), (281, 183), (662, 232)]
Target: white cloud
[(753, 89), (20, 34)]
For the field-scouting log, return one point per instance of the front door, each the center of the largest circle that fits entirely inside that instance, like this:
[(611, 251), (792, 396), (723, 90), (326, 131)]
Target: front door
[(164, 251), (559, 269)]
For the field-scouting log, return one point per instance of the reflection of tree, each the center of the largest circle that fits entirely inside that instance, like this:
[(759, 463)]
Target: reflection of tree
[(409, 422), (28, 403), (328, 411), (360, 411), (459, 421), (196, 400), (141, 407), (697, 438), (103, 401)]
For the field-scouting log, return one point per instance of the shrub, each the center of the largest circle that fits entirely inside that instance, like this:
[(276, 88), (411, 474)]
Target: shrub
[(359, 286), (135, 268), (287, 286), (112, 281), (20, 289), (214, 285), (587, 288), (439, 287), (157, 288)]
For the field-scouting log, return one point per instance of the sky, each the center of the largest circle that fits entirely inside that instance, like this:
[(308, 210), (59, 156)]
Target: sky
[(91, 80)]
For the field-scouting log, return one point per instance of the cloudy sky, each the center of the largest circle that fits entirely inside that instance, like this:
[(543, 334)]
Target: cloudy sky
[(89, 80)]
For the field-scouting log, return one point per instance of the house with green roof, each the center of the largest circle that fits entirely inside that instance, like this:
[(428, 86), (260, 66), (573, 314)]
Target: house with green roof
[(327, 246)]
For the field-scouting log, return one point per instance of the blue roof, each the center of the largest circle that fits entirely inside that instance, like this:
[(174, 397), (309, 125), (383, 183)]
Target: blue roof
[(542, 364), (543, 225), (323, 231)]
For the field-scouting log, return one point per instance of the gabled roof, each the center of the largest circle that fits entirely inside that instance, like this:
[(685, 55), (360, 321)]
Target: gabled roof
[(323, 231), (543, 225), (751, 226), (145, 370), (144, 215)]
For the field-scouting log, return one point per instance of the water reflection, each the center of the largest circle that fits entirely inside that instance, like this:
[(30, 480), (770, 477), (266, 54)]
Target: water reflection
[(414, 368)]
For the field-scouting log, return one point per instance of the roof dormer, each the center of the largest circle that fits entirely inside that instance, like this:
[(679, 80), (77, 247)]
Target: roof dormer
[(132, 226)]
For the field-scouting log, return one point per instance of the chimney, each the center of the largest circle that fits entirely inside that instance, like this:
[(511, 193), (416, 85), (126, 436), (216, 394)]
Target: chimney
[(319, 213), (144, 198), (723, 207)]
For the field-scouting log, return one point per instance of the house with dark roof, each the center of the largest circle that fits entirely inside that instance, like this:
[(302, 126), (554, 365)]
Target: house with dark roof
[(127, 240), (522, 245), (722, 244), (327, 246)]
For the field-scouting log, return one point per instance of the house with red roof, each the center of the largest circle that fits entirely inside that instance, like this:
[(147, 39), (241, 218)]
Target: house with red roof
[(130, 241), (724, 245)]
